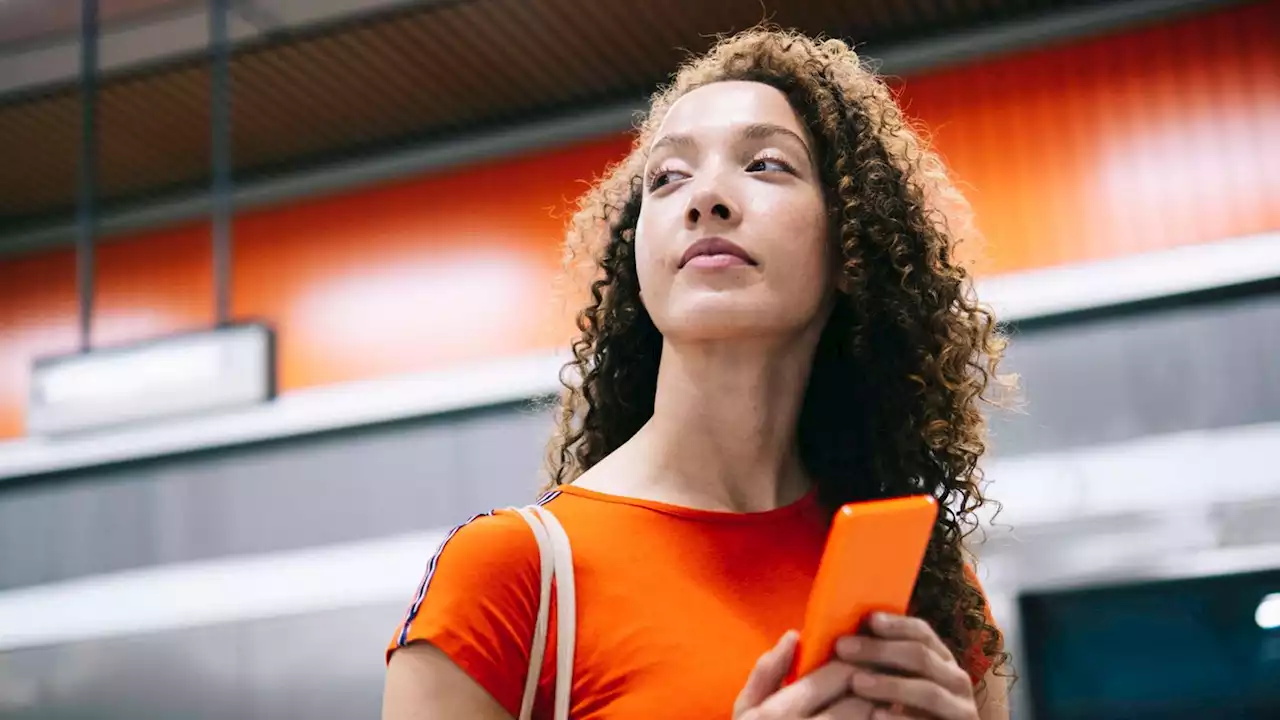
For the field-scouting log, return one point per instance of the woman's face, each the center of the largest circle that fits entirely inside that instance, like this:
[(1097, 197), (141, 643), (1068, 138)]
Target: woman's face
[(732, 236)]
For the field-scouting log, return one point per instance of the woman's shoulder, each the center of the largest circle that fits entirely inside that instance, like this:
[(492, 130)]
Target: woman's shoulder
[(481, 571), (496, 536), (500, 540), (488, 548), (476, 602)]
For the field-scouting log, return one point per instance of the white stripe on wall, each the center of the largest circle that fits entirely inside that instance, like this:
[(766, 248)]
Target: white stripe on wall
[(1132, 278), (174, 597), (1148, 475), (1154, 475), (333, 407), (1018, 296)]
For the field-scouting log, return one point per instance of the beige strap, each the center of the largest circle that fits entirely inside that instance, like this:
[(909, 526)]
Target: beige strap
[(556, 560), (567, 610), (538, 647)]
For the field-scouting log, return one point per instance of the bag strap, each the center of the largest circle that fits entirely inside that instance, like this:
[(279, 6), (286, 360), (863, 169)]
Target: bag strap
[(556, 560), (538, 647)]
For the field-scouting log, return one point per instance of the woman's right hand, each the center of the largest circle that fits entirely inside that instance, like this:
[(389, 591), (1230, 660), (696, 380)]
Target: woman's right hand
[(824, 694)]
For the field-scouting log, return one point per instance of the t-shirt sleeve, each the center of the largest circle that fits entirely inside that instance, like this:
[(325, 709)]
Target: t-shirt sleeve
[(976, 662), (477, 603)]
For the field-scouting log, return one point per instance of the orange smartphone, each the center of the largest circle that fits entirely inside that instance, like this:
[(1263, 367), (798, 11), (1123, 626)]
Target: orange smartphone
[(873, 555)]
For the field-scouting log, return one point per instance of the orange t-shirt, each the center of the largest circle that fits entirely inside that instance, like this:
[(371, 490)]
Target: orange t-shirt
[(674, 604)]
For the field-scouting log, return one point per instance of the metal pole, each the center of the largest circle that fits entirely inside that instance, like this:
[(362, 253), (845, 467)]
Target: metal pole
[(86, 205), (220, 123)]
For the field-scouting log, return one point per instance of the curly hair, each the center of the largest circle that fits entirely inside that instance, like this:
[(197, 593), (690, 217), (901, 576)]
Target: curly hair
[(906, 358)]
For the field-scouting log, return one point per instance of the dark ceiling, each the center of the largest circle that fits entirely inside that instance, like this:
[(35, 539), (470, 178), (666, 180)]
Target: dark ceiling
[(405, 76)]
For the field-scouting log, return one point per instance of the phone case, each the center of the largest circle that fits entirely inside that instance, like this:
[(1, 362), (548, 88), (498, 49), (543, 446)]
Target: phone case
[(870, 563)]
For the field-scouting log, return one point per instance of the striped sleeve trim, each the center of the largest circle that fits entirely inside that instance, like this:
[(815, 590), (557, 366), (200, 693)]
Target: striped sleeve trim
[(421, 595), (423, 586)]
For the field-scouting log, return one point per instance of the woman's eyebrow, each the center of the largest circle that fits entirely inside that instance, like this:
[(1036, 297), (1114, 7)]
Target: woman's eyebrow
[(752, 131), (674, 140), (763, 131)]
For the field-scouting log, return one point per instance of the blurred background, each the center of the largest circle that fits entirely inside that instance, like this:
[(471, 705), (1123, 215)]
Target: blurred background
[(276, 293)]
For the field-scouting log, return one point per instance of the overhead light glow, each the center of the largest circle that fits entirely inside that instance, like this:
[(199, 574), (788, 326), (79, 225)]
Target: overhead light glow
[(1268, 613)]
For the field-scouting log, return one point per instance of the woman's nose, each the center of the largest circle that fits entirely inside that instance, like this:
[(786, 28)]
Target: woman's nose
[(710, 206), (719, 210)]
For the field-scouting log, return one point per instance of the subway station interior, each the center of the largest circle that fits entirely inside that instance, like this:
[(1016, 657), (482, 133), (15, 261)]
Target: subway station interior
[(363, 202)]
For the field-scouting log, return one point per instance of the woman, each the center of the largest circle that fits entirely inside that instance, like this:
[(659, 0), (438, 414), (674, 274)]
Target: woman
[(778, 325)]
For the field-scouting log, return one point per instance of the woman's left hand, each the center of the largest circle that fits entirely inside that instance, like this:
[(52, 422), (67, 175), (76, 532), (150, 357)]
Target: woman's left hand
[(909, 671)]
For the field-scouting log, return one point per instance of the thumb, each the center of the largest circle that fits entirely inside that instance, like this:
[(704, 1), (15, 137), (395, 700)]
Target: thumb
[(767, 675)]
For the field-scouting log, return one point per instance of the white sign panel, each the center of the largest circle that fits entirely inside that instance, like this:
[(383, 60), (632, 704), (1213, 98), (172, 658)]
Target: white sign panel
[(180, 375)]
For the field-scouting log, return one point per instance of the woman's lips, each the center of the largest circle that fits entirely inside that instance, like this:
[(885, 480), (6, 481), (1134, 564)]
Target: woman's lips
[(715, 262), (715, 252)]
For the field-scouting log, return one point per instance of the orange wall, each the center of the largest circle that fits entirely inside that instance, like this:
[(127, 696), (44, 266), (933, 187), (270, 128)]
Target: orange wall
[(408, 276), (1123, 144), (1117, 145)]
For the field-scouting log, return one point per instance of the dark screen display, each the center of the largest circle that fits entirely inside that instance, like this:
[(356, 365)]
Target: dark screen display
[(1191, 648)]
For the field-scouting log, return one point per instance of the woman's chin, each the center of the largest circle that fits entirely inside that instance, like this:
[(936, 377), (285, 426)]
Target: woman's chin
[(722, 319)]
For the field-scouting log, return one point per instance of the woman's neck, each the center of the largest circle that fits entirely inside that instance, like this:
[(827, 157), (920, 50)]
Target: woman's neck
[(723, 431)]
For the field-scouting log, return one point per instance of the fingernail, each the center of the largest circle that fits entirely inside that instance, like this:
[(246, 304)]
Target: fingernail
[(865, 680), (786, 641), (848, 645)]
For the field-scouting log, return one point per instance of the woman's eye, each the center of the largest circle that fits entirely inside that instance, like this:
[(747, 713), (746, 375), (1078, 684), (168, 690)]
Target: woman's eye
[(661, 178), (769, 165)]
